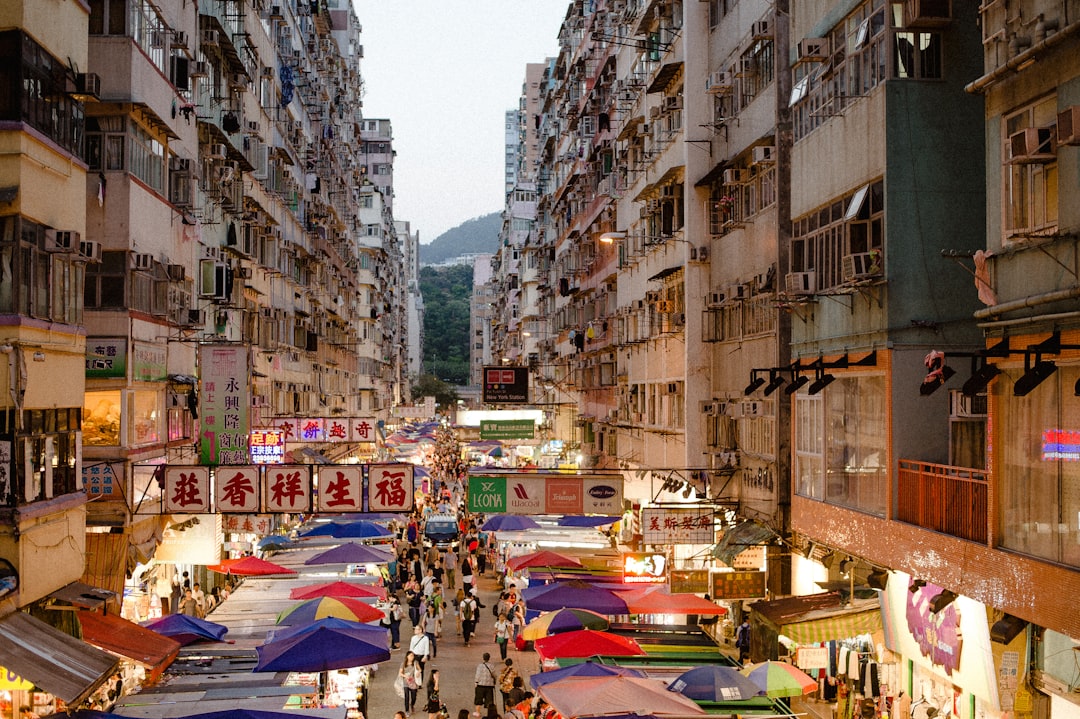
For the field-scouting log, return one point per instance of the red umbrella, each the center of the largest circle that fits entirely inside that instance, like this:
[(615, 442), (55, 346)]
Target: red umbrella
[(337, 589), (661, 602), (586, 643), (249, 566), (541, 559)]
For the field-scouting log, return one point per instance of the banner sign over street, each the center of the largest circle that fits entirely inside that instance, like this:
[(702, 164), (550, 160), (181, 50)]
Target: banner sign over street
[(507, 429), (285, 488), (507, 385), (546, 493), (677, 525)]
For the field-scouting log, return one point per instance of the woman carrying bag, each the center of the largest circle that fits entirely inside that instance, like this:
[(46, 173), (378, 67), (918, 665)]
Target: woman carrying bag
[(434, 704), (503, 629), (411, 677)]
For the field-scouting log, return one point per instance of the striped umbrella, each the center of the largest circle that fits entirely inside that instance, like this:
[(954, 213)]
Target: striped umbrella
[(352, 610), (780, 679)]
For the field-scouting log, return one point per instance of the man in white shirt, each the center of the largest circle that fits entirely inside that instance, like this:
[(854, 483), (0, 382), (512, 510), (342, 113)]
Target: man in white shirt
[(420, 646)]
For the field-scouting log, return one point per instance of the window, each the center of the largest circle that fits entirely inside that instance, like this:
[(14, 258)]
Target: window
[(758, 71), (146, 414), (34, 282), (34, 90), (106, 281), (917, 55), (101, 419), (853, 224), (840, 444), (1031, 189), (47, 446), (1040, 474)]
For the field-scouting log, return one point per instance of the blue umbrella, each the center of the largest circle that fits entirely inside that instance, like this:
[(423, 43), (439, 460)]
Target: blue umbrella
[(578, 520), (187, 629), (350, 553), (359, 530), (508, 523), (327, 644), (272, 542), (714, 683), (320, 530), (585, 669)]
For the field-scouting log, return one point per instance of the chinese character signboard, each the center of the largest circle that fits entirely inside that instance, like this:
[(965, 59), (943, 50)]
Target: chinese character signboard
[(148, 362), (362, 429), (311, 429), (106, 357), (247, 523), (390, 487), (236, 489), (226, 386), (187, 489), (101, 480), (647, 568), (677, 525), (267, 446), (546, 493), (337, 430), (695, 581), (341, 488), (507, 429), (506, 385), (738, 585), (287, 488), (289, 426), (326, 429)]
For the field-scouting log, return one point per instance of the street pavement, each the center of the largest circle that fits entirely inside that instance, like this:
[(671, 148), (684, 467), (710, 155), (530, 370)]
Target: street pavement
[(456, 662)]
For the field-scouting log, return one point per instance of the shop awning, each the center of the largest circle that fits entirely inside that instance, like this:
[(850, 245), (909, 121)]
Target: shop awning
[(739, 538), (819, 617), (83, 595), (58, 663), (127, 639)]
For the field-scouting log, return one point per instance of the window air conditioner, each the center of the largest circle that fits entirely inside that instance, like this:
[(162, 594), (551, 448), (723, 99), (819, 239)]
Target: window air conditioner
[(238, 81), (747, 66), (1068, 126), (707, 407), (1032, 146), (734, 176), (252, 127), (859, 266), (199, 68), (157, 38), (714, 299), (179, 39), (91, 250), (673, 102), (800, 283), (761, 30), (665, 306), (180, 164), (965, 407), (654, 112), (753, 408), (142, 260), (217, 151), (195, 317), (764, 155), (177, 273), (813, 49), (243, 273), (209, 37), (61, 240), (88, 85), (718, 83), (699, 254), (927, 13), (267, 72), (275, 13)]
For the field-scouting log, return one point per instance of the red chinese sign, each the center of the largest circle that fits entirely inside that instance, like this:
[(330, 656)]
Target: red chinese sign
[(341, 488), (390, 488), (236, 489), (287, 488), (187, 490), (260, 524)]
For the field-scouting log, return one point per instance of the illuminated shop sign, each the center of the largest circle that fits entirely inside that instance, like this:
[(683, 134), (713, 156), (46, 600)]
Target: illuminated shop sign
[(267, 446), (648, 568), (1061, 444)]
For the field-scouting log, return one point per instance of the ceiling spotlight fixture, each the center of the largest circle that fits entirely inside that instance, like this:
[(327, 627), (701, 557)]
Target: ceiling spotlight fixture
[(756, 381), (775, 381), (845, 567), (798, 381), (820, 382), (808, 552), (828, 559), (980, 378), (942, 600), (937, 373), (1034, 374), (877, 579), (916, 585)]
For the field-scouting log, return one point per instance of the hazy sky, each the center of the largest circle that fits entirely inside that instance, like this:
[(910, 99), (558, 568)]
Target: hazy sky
[(445, 72)]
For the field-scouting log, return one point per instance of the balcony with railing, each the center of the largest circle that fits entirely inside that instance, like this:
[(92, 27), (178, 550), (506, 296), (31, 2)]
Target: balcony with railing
[(943, 498)]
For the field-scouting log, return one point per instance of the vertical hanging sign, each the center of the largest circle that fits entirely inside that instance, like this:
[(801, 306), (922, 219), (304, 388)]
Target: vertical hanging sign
[(390, 487), (226, 385), (341, 488), (287, 488)]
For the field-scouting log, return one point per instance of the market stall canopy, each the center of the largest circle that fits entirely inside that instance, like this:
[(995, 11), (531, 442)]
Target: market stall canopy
[(563, 620), (780, 679), (274, 543), (350, 553), (509, 523), (324, 645), (187, 629), (580, 520), (587, 643), (822, 617), (584, 669), (575, 594), (249, 567), (362, 529), (346, 608), (659, 601), (58, 663), (739, 538), (240, 713), (543, 558), (714, 683), (337, 589), (603, 696), (127, 639)]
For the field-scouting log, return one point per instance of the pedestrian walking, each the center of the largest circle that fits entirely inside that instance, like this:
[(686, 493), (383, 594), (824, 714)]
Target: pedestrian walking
[(430, 625), (188, 605), (484, 693), (396, 614), (468, 612), (742, 640), (411, 674), (415, 599), (420, 646), (434, 703), (450, 567), (503, 630), (506, 683)]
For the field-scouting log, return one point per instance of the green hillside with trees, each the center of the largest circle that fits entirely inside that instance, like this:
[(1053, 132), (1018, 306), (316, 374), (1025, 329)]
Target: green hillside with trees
[(447, 292)]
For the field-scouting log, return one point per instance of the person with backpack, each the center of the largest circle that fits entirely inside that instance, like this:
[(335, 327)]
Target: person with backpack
[(468, 610), (506, 683)]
